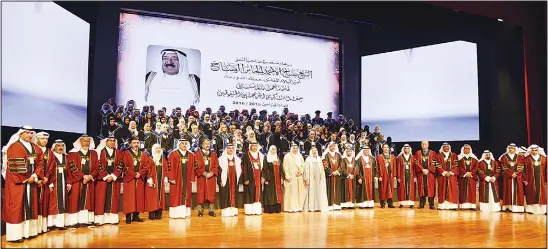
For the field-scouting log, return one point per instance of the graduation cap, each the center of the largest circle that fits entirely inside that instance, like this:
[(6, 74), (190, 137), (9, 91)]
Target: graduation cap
[(318, 112)]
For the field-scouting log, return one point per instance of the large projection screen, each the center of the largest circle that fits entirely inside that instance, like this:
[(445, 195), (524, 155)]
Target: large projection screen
[(45, 51), (423, 93), (172, 63)]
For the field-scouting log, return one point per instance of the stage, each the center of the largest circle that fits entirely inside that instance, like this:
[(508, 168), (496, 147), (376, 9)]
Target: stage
[(348, 228)]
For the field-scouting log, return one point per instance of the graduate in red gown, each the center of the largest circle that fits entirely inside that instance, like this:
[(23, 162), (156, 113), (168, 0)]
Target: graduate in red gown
[(83, 164), (41, 139), (405, 175), (22, 168), (136, 166), (57, 172), (109, 180), (448, 169), (488, 172), (182, 165), (513, 165), (426, 174), (386, 175), (332, 161), (252, 165), (155, 193), (468, 164), (349, 173), (206, 173), (367, 169), (535, 180), (231, 170)]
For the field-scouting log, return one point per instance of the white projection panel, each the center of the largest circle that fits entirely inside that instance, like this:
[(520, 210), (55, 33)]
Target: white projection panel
[(424, 93), (45, 51)]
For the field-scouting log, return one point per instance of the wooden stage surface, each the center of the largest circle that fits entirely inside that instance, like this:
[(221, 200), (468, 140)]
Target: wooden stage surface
[(348, 228)]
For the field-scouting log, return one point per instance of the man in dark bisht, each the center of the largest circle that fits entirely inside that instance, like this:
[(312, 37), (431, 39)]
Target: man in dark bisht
[(317, 120), (109, 128), (106, 113)]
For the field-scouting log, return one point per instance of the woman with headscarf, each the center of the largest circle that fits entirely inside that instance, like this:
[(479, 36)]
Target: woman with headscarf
[(314, 178), (294, 190), (157, 180), (133, 129), (251, 139), (488, 172), (535, 180), (238, 142), (468, 164), (367, 168), (273, 175), (107, 189)]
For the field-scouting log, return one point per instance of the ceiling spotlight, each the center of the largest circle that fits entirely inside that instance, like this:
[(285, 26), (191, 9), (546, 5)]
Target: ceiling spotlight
[(500, 20)]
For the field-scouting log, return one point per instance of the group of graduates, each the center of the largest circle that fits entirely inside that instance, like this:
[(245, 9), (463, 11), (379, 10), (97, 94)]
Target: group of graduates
[(288, 167)]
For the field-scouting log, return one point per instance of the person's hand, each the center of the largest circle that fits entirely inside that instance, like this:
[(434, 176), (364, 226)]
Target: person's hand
[(137, 175), (45, 180), (351, 177), (307, 183), (39, 184), (414, 179), (172, 181), (109, 179), (525, 183), (360, 181), (85, 181), (30, 180), (262, 181), (266, 182), (288, 180), (246, 182), (514, 175), (398, 180), (425, 171), (150, 184), (69, 187), (223, 185), (380, 179), (298, 173)]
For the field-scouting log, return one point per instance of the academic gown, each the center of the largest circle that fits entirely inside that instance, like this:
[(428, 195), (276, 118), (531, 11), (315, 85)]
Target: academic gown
[(386, 174), (157, 175), (513, 195), (467, 185), (273, 175), (405, 174), (43, 194), (148, 140), (367, 169), (220, 142), (309, 144), (332, 163), (489, 191), (535, 175), (82, 196), (251, 171), (230, 171), (107, 194), (206, 187), (182, 168), (426, 184), (348, 188), (448, 192), (195, 140), (20, 204), (134, 188), (57, 174)]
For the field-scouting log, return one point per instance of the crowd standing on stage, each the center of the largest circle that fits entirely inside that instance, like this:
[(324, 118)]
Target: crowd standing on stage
[(282, 163)]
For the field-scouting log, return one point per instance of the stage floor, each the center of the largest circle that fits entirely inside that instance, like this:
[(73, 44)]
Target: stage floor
[(348, 228)]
